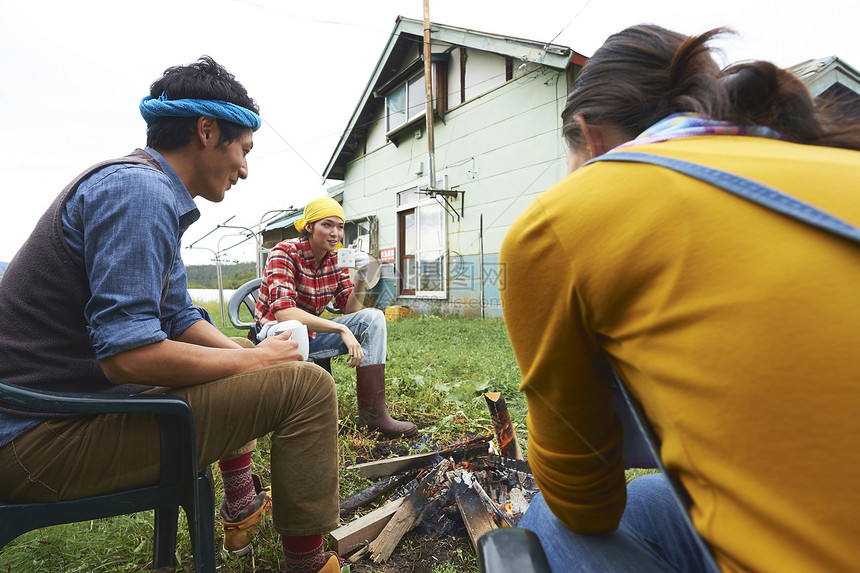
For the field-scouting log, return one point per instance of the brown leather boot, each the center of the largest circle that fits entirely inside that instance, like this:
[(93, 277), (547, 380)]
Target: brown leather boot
[(372, 412)]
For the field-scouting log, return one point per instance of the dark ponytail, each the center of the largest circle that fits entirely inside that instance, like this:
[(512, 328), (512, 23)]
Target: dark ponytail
[(760, 93), (641, 75)]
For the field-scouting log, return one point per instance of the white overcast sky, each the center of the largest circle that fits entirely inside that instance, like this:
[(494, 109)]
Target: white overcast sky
[(72, 75)]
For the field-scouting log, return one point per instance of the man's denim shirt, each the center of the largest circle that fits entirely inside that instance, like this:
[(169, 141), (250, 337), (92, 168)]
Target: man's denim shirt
[(125, 224)]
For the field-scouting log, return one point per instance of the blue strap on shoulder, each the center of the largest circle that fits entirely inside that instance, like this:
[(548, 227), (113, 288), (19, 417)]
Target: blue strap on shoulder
[(750, 190)]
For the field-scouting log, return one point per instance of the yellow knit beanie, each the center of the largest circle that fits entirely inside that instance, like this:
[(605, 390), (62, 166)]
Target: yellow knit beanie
[(320, 209)]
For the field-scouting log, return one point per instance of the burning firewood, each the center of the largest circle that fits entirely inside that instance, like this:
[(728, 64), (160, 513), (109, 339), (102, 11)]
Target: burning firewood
[(485, 490), (489, 504), (475, 516), (505, 434), (376, 490), (383, 546)]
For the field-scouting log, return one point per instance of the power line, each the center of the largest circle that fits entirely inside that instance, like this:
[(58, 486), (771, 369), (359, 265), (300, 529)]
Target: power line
[(311, 167), (569, 23)]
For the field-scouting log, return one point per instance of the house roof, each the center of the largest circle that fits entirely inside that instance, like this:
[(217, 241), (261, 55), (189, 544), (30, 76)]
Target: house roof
[(285, 221), (408, 31), (820, 75)]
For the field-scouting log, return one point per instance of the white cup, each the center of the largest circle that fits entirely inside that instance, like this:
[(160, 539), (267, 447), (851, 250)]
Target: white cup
[(299, 334), (346, 257)]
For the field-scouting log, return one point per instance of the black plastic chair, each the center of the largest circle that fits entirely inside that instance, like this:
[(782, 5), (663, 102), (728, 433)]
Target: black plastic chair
[(511, 550), (246, 295), (181, 484)]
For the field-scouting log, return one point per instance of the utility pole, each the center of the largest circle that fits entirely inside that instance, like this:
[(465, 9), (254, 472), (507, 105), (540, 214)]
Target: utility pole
[(428, 88), (432, 191)]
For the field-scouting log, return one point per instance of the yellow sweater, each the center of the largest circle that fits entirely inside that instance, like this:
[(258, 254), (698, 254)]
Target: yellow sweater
[(737, 329)]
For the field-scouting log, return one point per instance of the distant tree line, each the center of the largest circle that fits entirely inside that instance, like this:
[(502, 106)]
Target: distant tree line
[(233, 276)]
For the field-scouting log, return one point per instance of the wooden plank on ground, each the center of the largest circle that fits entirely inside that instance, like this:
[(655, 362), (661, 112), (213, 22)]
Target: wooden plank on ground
[(363, 529), (478, 521), (388, 466)]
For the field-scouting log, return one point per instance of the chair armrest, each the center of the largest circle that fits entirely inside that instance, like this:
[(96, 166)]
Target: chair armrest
[(173, 414), (80, 403)]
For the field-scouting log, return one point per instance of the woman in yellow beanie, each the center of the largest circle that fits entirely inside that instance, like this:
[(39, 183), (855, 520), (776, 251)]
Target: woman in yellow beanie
[(301, 277)]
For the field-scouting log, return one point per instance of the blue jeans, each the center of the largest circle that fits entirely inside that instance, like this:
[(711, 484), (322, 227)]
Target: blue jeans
[(368, 326), (652, 536)]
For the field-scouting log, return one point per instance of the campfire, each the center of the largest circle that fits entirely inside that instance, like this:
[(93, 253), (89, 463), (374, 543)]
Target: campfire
[(466, 486)]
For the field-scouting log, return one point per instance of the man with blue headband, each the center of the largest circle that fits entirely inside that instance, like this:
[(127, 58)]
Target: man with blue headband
[(96, 301)]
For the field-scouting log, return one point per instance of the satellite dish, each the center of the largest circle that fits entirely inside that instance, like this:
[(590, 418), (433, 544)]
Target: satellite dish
[(373, 273)]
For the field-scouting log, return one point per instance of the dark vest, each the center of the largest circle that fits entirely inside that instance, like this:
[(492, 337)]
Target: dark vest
[(44, 342)]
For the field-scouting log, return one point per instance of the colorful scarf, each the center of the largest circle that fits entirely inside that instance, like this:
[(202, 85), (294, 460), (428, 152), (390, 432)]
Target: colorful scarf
[(690, 124)]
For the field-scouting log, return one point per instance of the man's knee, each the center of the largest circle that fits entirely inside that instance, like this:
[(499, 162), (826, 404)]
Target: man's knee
[(322, 376), (319, 383)]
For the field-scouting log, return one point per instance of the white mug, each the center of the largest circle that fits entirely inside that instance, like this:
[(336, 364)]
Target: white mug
[(299, 334), (346, 257)]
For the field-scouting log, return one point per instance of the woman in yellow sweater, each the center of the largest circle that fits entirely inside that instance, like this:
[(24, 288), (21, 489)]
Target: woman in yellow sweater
[(735, 327)]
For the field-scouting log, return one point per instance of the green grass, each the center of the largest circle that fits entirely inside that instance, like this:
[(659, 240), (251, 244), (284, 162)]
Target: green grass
[(438, 369)]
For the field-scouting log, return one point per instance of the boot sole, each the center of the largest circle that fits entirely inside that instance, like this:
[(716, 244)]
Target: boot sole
[(410, 434)]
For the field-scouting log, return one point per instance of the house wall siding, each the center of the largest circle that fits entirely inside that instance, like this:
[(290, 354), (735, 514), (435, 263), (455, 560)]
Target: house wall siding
[(455, 97), (376, 129), (500, 150), (484, 71)]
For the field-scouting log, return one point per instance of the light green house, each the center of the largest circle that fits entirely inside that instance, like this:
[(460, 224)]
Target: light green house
[(497, 103)]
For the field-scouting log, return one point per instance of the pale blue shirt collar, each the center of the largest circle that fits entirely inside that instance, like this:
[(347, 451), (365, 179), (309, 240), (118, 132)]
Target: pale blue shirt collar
[(187, 206)]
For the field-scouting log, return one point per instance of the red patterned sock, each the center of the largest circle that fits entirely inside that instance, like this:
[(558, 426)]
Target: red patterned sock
[(303, 554), (238, 485)]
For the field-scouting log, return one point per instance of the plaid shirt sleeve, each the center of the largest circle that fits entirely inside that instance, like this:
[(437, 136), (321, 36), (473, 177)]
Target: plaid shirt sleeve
[(278, 290)]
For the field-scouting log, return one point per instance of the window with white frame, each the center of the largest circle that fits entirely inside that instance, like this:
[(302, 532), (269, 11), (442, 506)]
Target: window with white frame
[(359, 233), (421, 245), (405, 103)]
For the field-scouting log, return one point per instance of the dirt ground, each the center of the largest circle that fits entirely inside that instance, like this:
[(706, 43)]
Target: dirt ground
[(418, 552)]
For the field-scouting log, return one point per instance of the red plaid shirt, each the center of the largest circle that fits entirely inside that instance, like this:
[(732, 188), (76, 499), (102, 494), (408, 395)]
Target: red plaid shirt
[(292, 279)]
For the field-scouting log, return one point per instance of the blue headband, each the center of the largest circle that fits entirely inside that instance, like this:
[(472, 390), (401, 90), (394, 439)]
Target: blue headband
[(152, 109)]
